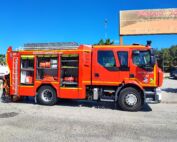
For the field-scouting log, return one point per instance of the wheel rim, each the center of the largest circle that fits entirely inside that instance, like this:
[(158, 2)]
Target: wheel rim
[(131, 99), (47, 95)]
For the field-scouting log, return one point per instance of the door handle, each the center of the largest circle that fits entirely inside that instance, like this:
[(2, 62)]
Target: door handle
[(97, 75)]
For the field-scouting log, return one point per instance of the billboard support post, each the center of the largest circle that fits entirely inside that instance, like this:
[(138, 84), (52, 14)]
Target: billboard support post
[(121, 40)]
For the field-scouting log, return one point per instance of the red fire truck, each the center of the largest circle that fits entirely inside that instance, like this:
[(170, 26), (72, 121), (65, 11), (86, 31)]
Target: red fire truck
[(127, 75)]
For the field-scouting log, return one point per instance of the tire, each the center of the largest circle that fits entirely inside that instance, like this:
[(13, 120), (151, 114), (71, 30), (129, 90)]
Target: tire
[(130, 99), (46, 96)]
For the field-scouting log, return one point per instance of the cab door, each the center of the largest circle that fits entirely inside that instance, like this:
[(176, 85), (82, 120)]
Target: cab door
[(123, 64), (104, 67)]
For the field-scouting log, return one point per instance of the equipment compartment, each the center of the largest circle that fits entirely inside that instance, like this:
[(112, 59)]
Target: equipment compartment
[(27, 70), (47, 68), (69, 70)]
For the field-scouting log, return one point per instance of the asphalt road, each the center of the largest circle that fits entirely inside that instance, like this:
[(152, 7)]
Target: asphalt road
[(88, 122), (76, 121), (169, 90)]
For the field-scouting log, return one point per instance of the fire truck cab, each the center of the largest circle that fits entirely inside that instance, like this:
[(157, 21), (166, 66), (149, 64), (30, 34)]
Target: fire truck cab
[(127, 75)]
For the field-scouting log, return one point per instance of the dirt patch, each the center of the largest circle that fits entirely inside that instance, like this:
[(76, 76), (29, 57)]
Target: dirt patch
[(8, 115)]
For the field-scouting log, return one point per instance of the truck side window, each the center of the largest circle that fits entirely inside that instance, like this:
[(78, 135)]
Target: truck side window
[(123, 59), (106, 59)]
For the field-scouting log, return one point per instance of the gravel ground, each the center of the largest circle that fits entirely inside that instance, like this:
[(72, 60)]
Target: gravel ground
[(75, 121)]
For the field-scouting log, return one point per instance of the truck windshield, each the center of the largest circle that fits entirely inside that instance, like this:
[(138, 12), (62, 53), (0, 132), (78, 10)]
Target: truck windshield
[(142, 58)]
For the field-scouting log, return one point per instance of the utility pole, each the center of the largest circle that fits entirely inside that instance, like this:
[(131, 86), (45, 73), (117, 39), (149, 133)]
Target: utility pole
[(106, 27)]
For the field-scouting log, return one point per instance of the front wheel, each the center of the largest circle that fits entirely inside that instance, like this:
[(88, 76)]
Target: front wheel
[(46, 96), (130, 99)]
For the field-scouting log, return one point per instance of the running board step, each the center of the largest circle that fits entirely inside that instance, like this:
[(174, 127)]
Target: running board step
[(107, 100), (109, 91), (149, 92)]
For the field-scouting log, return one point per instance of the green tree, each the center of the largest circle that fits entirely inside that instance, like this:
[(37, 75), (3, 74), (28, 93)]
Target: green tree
[(167, 57), (106, 42), (101, 42), (2, 59)]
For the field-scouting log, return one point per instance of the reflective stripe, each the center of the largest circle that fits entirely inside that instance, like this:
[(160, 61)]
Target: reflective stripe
[(70, 88), (102, 82), (27, 56)]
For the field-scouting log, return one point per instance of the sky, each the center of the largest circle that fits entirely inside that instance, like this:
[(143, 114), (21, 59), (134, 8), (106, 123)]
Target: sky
[(82, 21)]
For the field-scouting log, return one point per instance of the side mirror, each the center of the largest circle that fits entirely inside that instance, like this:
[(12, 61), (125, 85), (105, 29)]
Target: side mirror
[(157, 57), (153, 61), (152, 51)]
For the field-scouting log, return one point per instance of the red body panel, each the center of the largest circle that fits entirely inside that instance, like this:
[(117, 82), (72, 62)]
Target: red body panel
[(88, 67), (106, 77), (159, 76), (27, 91)]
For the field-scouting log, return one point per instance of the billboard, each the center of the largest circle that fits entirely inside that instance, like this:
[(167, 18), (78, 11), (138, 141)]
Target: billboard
[(147, 22)]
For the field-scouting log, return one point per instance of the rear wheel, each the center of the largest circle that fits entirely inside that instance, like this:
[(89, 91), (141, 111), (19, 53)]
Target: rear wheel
[(46, 96), (130, 99)]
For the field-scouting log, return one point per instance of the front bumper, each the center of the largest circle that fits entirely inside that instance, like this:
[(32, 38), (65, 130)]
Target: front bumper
[(154, 96)]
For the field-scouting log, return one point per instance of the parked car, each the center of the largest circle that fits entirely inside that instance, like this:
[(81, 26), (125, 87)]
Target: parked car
[(173, 72)]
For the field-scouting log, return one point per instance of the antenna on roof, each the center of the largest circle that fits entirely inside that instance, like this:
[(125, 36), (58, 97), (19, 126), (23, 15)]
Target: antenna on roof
[(106, 27)]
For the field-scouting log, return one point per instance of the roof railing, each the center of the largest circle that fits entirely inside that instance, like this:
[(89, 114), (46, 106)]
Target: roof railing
[(51, 46)]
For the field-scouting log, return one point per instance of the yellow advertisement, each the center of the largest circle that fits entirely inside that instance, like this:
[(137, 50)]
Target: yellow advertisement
[(147, 22)]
